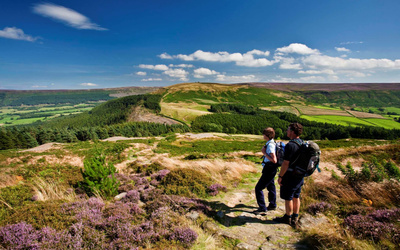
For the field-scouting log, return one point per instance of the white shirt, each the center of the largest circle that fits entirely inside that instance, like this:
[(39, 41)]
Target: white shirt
[(270, 149)]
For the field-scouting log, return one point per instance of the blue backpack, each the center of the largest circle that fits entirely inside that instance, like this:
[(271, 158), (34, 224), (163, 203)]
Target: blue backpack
[(279, 152)]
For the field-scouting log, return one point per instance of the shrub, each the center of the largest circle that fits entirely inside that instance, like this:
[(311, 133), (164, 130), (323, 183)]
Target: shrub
[(186, 182), (378, 225), (214, 189), (98, 177), (39, 215), (15, 195), (185, 236), (319, 207), (145, 169)]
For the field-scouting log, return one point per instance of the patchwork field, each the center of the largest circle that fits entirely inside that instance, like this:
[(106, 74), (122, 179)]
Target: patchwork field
[(310, 110), (185, 112), (26, 115)]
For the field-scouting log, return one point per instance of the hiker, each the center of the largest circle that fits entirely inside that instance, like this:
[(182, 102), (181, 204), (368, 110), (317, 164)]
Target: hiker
[(290, 183), (268, 174)]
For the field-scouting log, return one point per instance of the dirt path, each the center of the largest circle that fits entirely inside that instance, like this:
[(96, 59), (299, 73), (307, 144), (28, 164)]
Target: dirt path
[(234, 211)]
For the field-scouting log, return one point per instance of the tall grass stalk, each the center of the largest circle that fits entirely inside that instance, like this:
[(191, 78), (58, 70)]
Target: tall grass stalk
[(51, 190)]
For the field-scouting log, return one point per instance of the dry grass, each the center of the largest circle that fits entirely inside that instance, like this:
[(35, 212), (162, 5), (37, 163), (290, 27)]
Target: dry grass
[(359, 114), (310, 110), (51, 190), (221, 171), (9, 180), (183, 111), (328, 235), (206, 87)]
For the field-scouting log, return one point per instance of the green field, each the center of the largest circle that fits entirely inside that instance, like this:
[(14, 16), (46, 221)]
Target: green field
[(339, 120), (385, 123), (15, 115)]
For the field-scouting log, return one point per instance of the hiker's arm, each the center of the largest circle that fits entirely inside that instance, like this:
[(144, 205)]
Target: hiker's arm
[(284, 168), (271, 158)]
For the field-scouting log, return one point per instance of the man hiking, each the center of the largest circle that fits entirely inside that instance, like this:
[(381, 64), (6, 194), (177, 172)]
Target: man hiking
[(290, 183), (268, 174)]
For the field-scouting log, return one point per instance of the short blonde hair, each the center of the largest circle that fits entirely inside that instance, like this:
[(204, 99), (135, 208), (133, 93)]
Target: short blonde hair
[(270, 132)]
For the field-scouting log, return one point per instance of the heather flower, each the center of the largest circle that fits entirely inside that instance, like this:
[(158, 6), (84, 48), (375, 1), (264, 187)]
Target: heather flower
[(184, 235), (160, 174), (132, 196), (214, 189), (319, 207), (19, 236)]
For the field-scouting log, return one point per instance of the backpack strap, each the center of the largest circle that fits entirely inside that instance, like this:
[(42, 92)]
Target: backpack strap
[(299, 142)]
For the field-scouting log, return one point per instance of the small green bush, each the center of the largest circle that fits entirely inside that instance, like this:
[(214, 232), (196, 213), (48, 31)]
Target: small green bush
[(98, 177), (145, 169), (15, 196), (39, 215), (186, 182)]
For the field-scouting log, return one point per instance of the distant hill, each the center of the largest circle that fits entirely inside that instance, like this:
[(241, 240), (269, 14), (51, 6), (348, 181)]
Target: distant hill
[(38, 97)]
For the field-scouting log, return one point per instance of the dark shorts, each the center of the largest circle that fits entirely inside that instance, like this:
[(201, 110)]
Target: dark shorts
[(291, 186)]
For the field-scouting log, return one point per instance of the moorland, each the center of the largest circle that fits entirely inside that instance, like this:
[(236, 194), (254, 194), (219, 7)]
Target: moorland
[(176, 167)]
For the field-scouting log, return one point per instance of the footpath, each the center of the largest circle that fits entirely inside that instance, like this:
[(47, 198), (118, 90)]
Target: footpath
[(246, 230)]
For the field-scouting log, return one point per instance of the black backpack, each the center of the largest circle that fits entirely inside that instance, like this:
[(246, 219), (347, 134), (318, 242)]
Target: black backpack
[(308, 159)]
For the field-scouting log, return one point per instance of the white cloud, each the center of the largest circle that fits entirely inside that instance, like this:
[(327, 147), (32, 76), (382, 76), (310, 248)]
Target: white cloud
[(247, 59), (312, 79), (65, 15), (201, 72), (141, 73), (243, 78), (88, 84), (161, 67), (317, 72), (177, 73), (322, 61), (165, 56), (39, 86), (343, 43), (342, 49), (17, 34), (181, 65), (287, 62), (297, 48), (151, 79)]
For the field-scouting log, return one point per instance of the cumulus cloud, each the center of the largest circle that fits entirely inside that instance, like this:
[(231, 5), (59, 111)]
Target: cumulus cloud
[(17, 34), (141, 73), (317, 72), (177, 73), (201, 72), (88, 84), (151, 79), (243, 78), (248, 59), (342, 49), (181, 65), (161, 67), (65, 15), (165, 56), (343, 43), (297, 48)]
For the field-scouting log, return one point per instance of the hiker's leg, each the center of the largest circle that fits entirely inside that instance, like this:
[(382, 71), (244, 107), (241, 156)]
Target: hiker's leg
[(259, 191), (289, 207), (296, 205), (271, 187)]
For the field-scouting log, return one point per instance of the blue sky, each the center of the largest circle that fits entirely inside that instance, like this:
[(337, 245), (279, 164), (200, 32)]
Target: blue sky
[(98, 44)]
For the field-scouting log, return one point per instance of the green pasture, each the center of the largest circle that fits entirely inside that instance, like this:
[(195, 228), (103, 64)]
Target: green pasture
[(11, 116), (385, 123), (339, 120)]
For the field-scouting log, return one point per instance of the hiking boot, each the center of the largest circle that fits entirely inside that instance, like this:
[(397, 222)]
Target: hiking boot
[(270, 208), (284, 219), (259, 211), (295, 222)]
